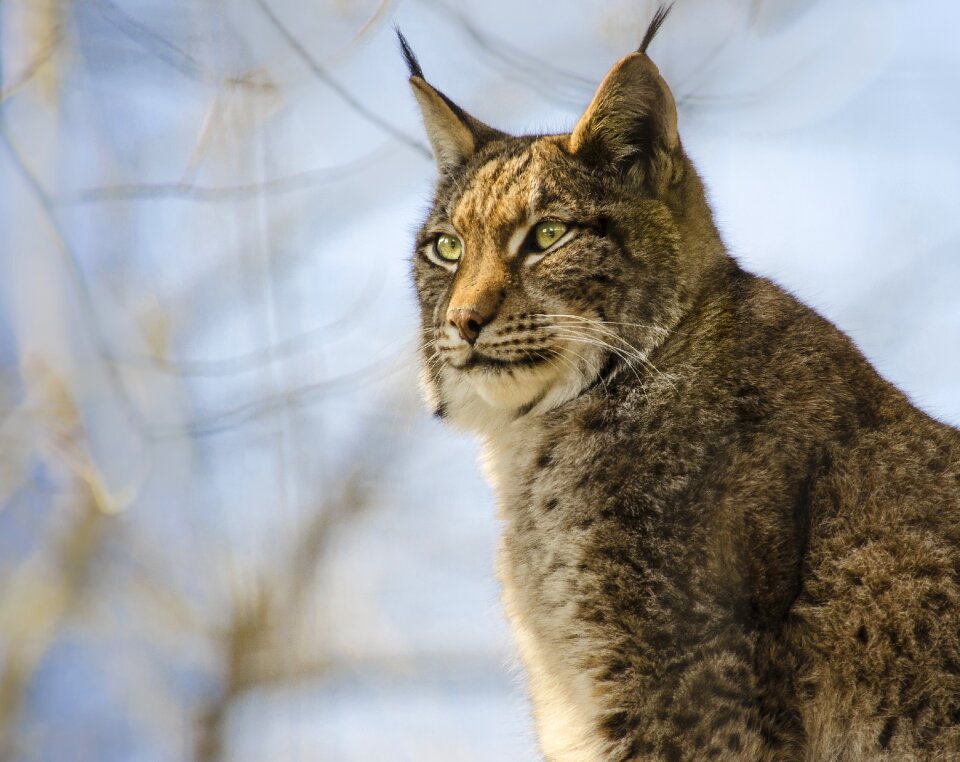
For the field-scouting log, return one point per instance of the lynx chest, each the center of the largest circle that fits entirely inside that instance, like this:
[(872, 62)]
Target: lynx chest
[(540, 563)]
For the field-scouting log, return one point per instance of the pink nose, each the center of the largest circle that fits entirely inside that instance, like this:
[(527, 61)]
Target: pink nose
[(467, 321)]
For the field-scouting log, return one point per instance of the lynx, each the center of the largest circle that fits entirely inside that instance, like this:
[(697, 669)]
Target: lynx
[(724, 535)]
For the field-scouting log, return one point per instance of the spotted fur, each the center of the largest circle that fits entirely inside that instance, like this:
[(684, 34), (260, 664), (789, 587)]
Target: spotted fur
[(725, 536)]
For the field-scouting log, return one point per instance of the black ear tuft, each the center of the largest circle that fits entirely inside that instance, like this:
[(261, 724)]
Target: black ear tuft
[(656, 22), (412, 63)]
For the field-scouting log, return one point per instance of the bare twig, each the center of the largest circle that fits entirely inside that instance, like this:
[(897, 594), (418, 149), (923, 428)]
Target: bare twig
[(152, 42), (227, 420), (252, 644), (74, 552), (44, 591), (553, 83), (375, 18), (345, 95), (31, 70), (258, 358), (71, 261), (297, 181)]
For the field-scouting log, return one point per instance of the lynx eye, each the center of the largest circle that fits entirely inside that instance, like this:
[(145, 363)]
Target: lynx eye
[(448, 247), (547, 233)]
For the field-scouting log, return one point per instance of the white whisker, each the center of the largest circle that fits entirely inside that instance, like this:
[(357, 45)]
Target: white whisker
[(572, 335), (599, 327)]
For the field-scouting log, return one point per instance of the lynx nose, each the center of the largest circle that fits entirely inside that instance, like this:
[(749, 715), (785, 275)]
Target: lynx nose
[(467, 321)]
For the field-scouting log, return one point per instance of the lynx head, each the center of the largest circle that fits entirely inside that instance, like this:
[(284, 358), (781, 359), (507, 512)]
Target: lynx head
[(548, 264)]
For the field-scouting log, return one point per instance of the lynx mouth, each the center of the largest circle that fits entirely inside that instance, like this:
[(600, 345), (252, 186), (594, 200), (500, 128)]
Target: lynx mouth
[(478, 360)]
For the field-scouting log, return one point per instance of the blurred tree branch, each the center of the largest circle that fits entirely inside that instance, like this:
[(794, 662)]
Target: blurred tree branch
[(375, 18), (227, 420), (31, 70), (345, 95), (156, 44), (291, 183), (255, 643), (88, 309), (553, 83), (43, 592)]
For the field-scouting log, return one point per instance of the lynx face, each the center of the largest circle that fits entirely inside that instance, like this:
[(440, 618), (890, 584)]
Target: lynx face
[(533, 285)]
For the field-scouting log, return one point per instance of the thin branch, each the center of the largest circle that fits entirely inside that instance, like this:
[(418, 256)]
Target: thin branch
[(254, 643), (74, 551), (320, 73), (297, 181), (32, 69), (258, 358), (553, 83), (152, 42), (219, 423), (375, 18), (73, 267)]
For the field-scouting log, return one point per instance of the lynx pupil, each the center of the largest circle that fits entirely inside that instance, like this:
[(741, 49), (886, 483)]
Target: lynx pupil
[(448, 247), (547, 233)]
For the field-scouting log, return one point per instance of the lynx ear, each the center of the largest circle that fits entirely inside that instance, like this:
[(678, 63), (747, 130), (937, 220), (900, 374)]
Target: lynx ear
[(632, 117), (454, 135)]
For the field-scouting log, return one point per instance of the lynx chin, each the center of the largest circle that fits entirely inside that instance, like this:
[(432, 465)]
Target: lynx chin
[(725, 536)]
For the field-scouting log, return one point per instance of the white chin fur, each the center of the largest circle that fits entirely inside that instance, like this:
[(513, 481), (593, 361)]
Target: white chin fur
[(480, 400), (513, 389)]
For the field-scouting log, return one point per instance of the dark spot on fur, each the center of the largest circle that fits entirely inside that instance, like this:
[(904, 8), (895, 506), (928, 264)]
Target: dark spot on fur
[(886, 735), (546, 458), (595, 420), (671, 752), (660, 640), (954, 715), (615, 669), (862, 635), (733, 742), (551, 504), (735, 674), (642, 747), (940, 462), (751, 411), (770, 738), (936, 602), (686, 720), (618, 725), (723, 717)]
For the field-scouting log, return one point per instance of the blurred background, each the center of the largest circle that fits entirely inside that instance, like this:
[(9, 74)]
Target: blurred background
[(228, 530)]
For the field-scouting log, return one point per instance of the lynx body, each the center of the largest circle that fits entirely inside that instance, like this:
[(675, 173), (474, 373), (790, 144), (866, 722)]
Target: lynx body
[(724, 535)]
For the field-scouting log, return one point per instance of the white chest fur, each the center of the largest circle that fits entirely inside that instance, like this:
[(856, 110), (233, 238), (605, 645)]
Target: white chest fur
[(564, 703)]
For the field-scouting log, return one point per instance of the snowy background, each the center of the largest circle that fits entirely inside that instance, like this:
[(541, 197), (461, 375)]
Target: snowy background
[(228, 531)]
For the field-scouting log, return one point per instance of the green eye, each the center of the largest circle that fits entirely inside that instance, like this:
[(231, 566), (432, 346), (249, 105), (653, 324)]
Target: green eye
[(545, 234), (448, 247)]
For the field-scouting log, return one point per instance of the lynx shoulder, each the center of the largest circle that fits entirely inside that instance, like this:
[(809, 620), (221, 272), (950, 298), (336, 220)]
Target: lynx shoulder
[(725, 536)]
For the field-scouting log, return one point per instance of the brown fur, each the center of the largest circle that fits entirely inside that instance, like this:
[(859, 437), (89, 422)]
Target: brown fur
[(724, 535)]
